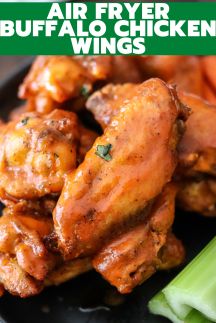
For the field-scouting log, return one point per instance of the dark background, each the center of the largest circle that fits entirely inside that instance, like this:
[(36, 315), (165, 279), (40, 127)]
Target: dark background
[(8, 64)]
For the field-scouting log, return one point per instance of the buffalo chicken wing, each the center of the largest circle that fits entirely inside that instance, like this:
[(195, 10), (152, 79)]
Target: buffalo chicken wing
[(32, 154), (116, 184), (197, 155), (53, 80)]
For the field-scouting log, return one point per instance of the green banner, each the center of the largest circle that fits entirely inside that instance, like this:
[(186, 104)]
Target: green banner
[(108, 28)]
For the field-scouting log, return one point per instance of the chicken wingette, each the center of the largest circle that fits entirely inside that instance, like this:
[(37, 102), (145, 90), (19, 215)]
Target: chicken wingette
[(122, 174), (196, 172)]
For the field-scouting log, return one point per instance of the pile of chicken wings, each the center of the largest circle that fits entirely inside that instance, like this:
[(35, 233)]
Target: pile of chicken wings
[(94, 162)]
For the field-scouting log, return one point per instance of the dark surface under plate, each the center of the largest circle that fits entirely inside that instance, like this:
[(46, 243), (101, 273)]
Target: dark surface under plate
[(84, 299)]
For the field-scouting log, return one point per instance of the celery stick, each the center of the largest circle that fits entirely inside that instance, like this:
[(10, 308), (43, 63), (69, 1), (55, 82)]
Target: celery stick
[(196, 317), (191, 296), (195, 286), (159, 306)]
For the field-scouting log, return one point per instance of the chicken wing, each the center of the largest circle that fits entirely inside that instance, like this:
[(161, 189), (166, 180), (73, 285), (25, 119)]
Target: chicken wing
[(197, 149), (209, 93), (184, 71), (188, 76), (124, 171), (53, 80), (125, 69), (162, 66), (26, 263), (36, 152), (133, 257), (197, 154)]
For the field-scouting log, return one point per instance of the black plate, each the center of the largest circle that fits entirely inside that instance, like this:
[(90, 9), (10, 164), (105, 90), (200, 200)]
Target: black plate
[(84, 298)]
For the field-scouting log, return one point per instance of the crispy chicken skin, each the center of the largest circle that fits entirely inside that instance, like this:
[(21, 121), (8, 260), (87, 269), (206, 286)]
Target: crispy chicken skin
[(208, 66), (197, 152), (26, 264), (197, 155), (21, 236), (198, 195), (105, 103), (76, 200), (24, 259), (132, 257), (125, 69), (209, 93), (162, 66), (184, 71), (53, 80), (188, 76), (32, 154), (101, 198), (197, 149), (67, 271), (15, 280), (172, 254)]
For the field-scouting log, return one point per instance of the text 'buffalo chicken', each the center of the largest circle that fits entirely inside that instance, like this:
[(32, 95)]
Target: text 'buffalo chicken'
[(95, 161)]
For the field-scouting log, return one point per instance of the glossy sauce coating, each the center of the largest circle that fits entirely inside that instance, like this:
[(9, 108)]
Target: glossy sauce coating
[(197, 149), (53, 80), (132, 257), (32, 154), (105, 103), (101, 196)]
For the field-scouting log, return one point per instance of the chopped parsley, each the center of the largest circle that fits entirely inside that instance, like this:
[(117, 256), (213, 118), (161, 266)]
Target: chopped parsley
[(85, 90), (103, 151), (25, 121)]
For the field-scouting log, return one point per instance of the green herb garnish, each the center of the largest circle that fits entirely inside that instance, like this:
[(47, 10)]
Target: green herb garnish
[(103, 151), (85, 90), (25, 121)]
